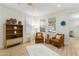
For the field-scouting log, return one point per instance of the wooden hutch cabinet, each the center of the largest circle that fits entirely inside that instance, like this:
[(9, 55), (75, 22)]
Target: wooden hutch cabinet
[(13, 35)]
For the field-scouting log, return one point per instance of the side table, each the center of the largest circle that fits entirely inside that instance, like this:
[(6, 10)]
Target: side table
[(48, 41)]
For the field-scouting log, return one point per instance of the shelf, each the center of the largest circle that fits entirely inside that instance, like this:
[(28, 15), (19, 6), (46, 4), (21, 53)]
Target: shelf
[(13, 38), (14, 25), (13, 29), (15, 34)]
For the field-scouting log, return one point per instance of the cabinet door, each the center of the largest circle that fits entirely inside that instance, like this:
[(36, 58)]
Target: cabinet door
[(14, 41)]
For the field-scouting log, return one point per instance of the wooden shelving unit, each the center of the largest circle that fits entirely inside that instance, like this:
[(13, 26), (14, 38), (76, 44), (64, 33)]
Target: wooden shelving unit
[(13, 34)]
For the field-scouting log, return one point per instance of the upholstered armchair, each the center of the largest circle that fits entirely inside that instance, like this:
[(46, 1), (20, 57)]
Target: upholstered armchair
[(58, 40), (39, 37)]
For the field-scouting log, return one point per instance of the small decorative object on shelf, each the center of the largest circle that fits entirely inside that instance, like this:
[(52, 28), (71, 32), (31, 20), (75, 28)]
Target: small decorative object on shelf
[(8, 21), (14, 32), (11, 21), (19, 22), (15, 27), (14, 21)]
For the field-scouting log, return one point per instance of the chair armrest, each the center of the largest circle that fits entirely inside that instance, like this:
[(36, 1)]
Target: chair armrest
[(53, 37)]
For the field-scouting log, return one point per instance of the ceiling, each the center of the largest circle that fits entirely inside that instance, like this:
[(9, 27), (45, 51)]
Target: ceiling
[(40, 9)]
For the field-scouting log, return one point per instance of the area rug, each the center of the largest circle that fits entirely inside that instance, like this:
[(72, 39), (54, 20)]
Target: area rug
[(40, 50)]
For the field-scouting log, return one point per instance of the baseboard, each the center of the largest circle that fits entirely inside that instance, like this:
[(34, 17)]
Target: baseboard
[(25, 41)]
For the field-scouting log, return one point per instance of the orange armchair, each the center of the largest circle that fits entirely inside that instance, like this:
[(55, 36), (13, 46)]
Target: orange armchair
[(39, 37), (58, 40)]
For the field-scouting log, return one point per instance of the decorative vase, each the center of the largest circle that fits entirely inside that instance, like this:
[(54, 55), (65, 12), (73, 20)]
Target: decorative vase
[(19, 22)]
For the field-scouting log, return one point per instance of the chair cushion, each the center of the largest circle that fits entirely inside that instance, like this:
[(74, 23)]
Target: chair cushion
[(58, 37), (39, 35)]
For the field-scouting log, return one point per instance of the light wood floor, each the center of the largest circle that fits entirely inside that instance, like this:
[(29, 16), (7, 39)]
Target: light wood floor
[(70, 49)]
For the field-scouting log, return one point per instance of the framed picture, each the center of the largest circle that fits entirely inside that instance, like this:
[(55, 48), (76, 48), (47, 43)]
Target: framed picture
[(51, 24), (51, 21)]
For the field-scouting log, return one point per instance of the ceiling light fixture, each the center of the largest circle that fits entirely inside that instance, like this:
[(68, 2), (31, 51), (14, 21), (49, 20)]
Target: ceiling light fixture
[(58, 5), (33, 6)]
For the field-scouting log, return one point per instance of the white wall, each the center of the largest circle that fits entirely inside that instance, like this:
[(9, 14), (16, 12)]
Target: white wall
[(6, 13), (74, 24), (63, 29), (32, 26), (63, 16)]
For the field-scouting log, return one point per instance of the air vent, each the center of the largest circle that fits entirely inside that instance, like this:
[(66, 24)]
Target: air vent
[(30, 4)]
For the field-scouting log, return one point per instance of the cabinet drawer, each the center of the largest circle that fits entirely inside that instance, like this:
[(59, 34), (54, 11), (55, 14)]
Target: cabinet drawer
[(14, 41)]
